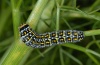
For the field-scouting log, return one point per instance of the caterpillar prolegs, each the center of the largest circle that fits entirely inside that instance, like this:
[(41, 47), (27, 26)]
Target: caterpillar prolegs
[(35, 40)]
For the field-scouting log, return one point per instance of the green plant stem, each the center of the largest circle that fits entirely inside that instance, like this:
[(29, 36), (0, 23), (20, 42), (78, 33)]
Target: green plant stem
[(92, 32), (85, 50), (3, 19), (74, 3), (97, 2), (36, 13), (61, 56), (45, 20), (15, 54), (93, 58), (18, 52), (58, 13), (16, 19), (38, 56)]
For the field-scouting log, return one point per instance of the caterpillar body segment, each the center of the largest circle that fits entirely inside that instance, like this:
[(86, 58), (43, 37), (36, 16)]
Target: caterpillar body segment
[(31, 38)]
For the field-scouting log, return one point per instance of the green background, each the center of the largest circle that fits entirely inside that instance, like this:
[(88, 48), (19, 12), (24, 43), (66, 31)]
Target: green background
[(46, 16)]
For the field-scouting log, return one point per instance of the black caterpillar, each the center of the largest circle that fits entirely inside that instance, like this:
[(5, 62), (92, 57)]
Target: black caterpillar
[(31, 38)]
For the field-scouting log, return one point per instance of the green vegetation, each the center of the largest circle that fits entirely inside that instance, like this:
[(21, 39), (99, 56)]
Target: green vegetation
[(46, 16)]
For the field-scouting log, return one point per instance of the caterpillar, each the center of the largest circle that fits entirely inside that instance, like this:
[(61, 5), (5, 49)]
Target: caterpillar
[(35, 40)]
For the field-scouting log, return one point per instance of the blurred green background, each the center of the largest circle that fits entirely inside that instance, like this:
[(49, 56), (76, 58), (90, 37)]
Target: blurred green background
[(46, 16)]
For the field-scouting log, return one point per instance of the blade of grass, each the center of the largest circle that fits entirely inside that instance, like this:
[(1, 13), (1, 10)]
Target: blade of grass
[(75, 12), (53, 56), (38, 56), (82, 49), (3, 18), (92, 42), (73, 3), (61, 56), (34, 17), (82, 25), (97, 2), (18, 47), (72, 57), (66, 22), (46, 16), (58, 14), (6, 42), (85, 50), (93, 59), (92, 32), (16, 19), (11, 58)]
